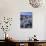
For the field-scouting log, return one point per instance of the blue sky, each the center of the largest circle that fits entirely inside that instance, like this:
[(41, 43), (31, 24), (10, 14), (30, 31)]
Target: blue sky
[(26, 13)]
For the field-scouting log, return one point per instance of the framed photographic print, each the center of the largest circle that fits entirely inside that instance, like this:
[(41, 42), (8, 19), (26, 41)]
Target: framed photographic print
[(26, 19)]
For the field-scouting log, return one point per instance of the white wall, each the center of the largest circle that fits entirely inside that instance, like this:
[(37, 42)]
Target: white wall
[(12, 8)]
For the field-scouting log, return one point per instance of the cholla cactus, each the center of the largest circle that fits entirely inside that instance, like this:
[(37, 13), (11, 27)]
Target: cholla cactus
[(5, 25)]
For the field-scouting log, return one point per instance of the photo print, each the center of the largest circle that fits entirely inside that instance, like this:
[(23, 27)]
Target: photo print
[(26, 19)]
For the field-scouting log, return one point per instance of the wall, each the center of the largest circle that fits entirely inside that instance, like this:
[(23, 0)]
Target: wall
[(12, 8)]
